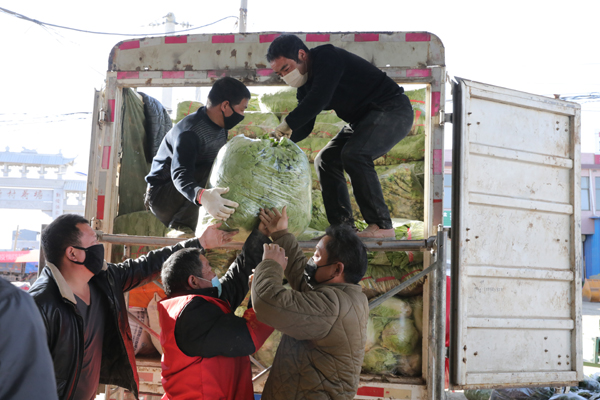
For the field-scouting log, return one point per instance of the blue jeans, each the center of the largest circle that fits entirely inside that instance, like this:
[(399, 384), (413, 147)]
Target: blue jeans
[(353, 150)]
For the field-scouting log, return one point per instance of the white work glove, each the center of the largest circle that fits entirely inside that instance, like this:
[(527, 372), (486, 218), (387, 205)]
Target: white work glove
[(215, 205), (283, 130)]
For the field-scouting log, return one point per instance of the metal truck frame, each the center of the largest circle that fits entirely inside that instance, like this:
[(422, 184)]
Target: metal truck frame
[(419, 57)]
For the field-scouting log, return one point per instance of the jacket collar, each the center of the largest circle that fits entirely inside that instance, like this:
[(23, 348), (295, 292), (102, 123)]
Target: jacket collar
[(209, 292), (63, 286)]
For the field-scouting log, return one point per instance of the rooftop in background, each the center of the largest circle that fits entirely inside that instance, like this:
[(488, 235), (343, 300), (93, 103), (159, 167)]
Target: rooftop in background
[(31, 157)]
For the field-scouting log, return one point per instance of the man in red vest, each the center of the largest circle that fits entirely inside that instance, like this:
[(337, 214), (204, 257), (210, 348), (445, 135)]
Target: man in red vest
[(205, 345)]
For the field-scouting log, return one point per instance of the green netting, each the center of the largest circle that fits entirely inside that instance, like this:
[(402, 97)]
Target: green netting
[(254, 103), (262, 173), (393, 339), (417, 100), (134, 167), (139, 223), (186, 108), (255, 125), (281, 102)]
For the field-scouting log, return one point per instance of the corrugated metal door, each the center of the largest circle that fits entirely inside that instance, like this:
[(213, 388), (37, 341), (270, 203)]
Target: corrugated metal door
[(516, 239)]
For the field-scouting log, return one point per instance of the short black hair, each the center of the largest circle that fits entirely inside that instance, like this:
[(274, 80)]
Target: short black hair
[(286, 46), (346, 247), (178, 267), (228, 89), (60, 234)]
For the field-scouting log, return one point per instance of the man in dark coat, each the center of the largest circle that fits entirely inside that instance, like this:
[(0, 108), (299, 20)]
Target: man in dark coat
[(378, 112), (26, 370), (181, 167), (80, 297)]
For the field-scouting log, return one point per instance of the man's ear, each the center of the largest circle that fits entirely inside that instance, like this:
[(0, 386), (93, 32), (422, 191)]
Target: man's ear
[(190, 282), (339, 269), (302, 55), (224, 105)]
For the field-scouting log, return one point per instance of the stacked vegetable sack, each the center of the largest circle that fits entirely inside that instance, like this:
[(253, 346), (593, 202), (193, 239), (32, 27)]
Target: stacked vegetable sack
[(589, 389), (394, 344)]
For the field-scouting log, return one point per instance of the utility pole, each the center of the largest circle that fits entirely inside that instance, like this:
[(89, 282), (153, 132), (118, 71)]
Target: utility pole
[(16, 238), (167, 92), (243, 16), (169, 22)]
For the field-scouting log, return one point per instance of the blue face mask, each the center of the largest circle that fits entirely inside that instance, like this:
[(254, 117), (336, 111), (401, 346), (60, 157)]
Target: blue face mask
[(215, 283)]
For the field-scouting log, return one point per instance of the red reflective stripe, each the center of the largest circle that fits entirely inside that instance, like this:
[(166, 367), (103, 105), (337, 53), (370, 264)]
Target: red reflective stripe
[(317, 37), (268, 38), (223, 39), (100, 209), (438, 168), (146, 376), (366, 37), (111, 109), (264, 72), (105, 157), (128, 75), (435, 102), (134, 44), (422, 73), (173, 74), (385, 278), (418, 37), (176, 39), (370, 391)]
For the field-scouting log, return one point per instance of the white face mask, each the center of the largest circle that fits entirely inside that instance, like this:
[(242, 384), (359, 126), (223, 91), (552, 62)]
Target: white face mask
[(295, 78)]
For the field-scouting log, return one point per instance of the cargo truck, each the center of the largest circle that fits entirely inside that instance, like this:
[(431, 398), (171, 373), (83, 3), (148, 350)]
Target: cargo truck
[(515, 236)]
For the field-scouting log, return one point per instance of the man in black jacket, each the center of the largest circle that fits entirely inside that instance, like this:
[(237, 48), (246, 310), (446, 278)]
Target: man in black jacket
[(198, 324), (80, 297), (26, 370), (181, 167), (378, 112)]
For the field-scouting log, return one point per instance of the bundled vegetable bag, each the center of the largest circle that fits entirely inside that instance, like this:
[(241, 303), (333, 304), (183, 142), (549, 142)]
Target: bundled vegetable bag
[(261, 173), (394, 332)]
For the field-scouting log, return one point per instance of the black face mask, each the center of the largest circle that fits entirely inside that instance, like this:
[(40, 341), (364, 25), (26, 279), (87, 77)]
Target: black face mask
[(232, 120), (310, 272), (94, 258)]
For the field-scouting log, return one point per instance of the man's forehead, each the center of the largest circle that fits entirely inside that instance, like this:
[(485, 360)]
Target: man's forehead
[(321, 246), (280, 63)]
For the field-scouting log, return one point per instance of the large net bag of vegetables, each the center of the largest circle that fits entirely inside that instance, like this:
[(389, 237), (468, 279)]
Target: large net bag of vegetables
[(394, 337), (261, 173)]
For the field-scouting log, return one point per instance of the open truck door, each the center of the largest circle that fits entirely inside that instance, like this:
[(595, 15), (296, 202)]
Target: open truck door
[(516, 240)]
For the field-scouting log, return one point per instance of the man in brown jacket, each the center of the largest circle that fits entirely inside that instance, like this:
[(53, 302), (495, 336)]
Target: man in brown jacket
[(323, 318)]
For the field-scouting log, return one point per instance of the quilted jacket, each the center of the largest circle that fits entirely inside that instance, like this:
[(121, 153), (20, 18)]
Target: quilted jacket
[(324, 330)]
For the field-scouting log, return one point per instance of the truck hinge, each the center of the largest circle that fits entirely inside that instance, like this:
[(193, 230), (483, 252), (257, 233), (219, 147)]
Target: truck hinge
[(101, 117), (445, 117), (96, 224)]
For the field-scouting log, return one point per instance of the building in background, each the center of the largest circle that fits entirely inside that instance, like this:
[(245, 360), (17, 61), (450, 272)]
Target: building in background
[(32, 181)]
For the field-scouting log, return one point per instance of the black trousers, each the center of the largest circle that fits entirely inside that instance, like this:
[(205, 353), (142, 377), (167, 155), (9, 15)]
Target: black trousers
[(353, 150), (171, 207)]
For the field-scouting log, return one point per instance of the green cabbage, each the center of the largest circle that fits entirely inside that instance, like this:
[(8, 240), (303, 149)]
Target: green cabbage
[(262, 173), (478, 394), (401, 337), (393, 308), (255, 125), (379, 360)]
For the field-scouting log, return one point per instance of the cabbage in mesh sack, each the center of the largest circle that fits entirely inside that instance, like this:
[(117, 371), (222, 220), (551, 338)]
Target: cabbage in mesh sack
[(261, 173)]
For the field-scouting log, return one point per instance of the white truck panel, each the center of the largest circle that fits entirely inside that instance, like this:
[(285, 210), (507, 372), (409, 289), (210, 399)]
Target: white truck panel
[(516, 240)]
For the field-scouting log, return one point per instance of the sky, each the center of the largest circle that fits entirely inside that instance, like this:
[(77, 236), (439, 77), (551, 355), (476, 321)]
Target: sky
[(48, 75)]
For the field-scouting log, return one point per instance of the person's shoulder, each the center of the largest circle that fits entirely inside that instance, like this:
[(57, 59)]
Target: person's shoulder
[(8, 290)]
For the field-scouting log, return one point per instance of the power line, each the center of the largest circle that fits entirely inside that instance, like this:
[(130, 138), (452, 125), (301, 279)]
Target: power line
[(44, 24)]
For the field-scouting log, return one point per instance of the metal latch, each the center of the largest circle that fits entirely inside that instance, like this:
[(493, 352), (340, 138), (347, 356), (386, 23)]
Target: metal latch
[(445, 117)]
